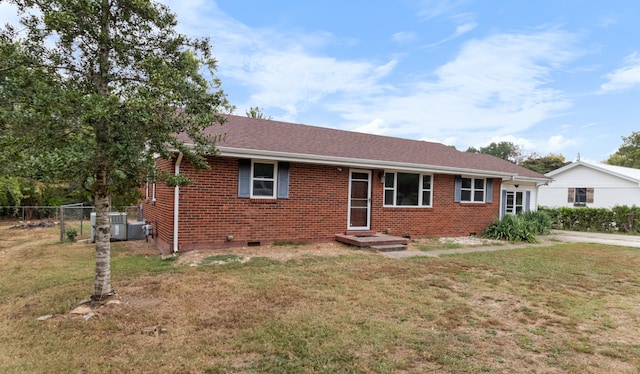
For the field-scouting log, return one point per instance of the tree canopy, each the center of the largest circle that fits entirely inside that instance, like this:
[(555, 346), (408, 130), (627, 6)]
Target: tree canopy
[(628, 154), (544, 164), (92, 90), (256, 112), (504, 150)]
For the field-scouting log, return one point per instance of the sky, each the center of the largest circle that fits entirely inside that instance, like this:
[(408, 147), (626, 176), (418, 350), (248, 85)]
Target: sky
[(551, 76)]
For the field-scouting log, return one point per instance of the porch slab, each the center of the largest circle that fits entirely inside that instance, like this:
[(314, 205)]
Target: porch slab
[(371, 240)]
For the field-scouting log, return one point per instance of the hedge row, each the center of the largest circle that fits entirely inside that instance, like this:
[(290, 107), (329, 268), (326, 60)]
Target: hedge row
[(617, 219)]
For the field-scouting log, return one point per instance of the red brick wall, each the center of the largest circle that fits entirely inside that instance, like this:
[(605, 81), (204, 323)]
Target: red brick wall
[(159, 213), (444, 218), (316, 209)]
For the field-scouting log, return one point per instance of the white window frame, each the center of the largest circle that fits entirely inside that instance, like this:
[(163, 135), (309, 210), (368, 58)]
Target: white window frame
[(513, 209), (473, 190), (421, 190), (151, 186), (274, 179)]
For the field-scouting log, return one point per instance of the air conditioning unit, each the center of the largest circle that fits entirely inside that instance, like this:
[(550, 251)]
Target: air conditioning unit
[(118, 226)]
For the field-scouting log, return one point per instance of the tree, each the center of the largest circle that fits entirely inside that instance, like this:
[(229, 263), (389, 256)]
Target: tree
[(629, 152), (256, 112), (544, 164), (91, 90), (504, 150)]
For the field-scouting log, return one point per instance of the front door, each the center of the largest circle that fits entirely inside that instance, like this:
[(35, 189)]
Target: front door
[(359, 199), (514, 202)]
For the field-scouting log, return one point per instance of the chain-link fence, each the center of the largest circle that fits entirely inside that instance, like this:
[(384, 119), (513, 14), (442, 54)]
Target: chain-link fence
[(74, 219), (30, 213)]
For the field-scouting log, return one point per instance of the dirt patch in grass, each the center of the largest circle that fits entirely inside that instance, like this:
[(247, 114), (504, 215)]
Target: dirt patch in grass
[(276, 252), (319, 308)]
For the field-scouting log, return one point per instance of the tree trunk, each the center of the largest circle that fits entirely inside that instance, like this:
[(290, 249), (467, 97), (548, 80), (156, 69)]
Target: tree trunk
[(102, 197)]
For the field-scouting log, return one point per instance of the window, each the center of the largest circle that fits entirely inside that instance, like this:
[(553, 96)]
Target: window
[(263, 179), (473, 190), (580, 196), (407, 189), (514, 202), (151, 185)]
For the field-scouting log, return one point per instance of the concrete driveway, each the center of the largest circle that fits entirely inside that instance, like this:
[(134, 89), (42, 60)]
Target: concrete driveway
[(592, 237)]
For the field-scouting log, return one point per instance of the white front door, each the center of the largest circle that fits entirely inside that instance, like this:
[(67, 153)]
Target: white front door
[(514, 203), (359, 199)]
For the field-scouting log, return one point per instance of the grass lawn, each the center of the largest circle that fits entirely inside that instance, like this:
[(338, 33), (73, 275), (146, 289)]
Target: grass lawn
[(563, 308)]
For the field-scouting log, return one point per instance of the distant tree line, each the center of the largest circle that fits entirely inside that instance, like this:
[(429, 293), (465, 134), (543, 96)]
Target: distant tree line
[(627, 155), (513, 153)]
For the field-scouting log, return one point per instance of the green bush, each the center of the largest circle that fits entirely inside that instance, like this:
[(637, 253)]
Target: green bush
[(71, 234), (540, 221), (521, 228), (616, 219), (511, 228)]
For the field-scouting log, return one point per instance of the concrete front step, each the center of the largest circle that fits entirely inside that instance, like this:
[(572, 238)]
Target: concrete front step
[(389, 248), (371, 240)]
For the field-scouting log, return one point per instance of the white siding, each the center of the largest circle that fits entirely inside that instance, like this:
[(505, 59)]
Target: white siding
[(609, 190)]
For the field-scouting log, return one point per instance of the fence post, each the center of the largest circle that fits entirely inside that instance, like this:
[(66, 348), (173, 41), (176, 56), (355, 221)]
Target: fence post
[(61, 223)]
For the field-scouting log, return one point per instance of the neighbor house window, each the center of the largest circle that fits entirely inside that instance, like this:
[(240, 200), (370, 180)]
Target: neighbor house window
[(580, 195), (473, 190), (407, 189), (263, 179)]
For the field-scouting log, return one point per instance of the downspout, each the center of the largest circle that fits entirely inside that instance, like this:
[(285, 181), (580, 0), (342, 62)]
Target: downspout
[(176, 205)]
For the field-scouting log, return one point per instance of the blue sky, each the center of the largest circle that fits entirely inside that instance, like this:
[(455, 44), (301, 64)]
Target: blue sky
[(553, 76)]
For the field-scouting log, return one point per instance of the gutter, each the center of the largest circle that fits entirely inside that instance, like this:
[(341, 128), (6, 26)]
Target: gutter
[(176, 205)]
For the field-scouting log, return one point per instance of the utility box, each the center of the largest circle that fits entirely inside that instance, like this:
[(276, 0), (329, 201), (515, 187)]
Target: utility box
[(135, 230), (118, 226)]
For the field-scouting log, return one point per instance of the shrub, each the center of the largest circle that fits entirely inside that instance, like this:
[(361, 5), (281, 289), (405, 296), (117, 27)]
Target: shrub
[(71, 234), (511, 228), (521, 228), (619, 218), (540, 221)]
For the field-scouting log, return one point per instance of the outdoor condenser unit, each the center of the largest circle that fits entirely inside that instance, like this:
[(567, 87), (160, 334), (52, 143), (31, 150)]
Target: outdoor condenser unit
[(118, 226)]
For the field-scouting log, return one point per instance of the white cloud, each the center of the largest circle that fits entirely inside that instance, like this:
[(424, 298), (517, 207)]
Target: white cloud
[(377, 126), (494, 87), (279, 69), (625, 77), (465, 28), (434, 8), (404, 37), (557, 144)]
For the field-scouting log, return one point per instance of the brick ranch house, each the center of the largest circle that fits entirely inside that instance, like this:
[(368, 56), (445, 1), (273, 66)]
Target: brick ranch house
[(276, 181)]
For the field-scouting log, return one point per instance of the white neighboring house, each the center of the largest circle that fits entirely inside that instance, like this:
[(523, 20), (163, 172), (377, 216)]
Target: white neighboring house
[(591, 185)]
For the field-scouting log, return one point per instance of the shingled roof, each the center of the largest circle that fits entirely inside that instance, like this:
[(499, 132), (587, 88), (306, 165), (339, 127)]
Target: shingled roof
[(252, 137)]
